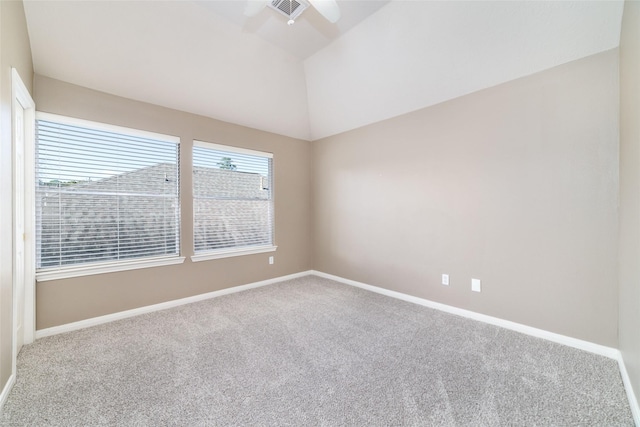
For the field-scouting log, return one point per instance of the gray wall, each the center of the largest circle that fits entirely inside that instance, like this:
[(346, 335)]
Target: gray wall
[(629, 321), (14, 52), (69, 300), (516, 185)]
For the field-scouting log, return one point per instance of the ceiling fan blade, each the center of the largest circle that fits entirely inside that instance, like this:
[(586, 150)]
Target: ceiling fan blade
[(327, 8), (254, 7)]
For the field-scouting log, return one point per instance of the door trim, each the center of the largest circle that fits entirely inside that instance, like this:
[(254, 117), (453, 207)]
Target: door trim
[(21, 96)]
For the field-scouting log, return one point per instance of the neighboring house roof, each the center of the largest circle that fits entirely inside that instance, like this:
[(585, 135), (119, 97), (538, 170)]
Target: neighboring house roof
[(162, 179), (138, 212)]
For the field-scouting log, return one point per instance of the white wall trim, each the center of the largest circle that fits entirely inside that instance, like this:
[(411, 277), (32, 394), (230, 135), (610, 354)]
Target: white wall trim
[(6, 390), (633, 401), (105, 267), (23, 97), (609, 352), (94, 321), (528, 330), (602, 350), (20, 97), (228, 253), (598, 349)]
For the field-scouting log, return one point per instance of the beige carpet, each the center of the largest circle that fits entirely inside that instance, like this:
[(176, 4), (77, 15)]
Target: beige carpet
[(310, 352)]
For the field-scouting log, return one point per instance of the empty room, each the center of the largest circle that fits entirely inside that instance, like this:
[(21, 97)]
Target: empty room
[(319, 212)]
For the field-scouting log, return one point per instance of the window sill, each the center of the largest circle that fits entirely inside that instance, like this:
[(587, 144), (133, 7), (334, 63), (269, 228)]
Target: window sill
[(227, 253), (107, 267)]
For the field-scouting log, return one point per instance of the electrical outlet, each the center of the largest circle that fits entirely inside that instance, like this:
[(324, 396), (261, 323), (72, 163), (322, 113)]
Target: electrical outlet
[(475, 285), (271, 260), (445, 279)]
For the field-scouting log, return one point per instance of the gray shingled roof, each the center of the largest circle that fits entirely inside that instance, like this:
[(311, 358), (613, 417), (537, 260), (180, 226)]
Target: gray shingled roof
[(88, 220)]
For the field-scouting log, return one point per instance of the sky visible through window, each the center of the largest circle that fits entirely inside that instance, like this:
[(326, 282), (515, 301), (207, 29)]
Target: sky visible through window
[(70, 153), (208, 158)]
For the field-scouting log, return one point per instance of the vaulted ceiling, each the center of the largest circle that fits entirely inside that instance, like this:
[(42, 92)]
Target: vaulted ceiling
[(312, 79)]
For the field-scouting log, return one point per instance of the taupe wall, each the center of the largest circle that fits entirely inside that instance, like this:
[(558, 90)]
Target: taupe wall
[(16, 53), (516, 185), (70, 300), (629, 320)]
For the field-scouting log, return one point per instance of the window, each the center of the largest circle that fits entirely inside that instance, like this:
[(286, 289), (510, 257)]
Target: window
[(107, 198), (232, 201)]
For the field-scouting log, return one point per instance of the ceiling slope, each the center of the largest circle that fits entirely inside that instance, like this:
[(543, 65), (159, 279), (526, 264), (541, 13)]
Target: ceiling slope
[(382, 61), (174, 54), (309, 34), (413, 54)]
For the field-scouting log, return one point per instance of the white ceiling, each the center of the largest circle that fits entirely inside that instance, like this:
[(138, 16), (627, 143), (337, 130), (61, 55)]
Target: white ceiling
[(309, 34), (413, 54), (312, 79)]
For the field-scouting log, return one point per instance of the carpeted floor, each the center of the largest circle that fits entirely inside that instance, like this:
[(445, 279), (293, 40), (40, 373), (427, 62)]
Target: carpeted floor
[(310, 352)]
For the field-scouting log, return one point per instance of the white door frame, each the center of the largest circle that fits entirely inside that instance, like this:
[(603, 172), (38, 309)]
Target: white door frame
[(20, 96)]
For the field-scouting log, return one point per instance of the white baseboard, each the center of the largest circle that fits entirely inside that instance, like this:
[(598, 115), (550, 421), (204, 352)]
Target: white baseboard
[(528, 330), (539, 333), (633, 401), (74, 326), (6, 390), (601, 350)]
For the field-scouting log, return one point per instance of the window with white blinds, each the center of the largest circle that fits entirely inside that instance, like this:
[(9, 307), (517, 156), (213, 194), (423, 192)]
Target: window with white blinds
[(104, 194), (232, 201)]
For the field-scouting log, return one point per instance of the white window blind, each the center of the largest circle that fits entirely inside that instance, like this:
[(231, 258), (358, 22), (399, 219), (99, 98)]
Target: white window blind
[(232, 198), (104, 193)]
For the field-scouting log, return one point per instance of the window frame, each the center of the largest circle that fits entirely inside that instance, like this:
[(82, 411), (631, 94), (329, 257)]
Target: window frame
[(234, 251), (101, 267)]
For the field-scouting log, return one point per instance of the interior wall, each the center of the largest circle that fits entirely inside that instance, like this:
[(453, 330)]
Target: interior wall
[(629, 320), (15, 52), (515, 185), (68, 300)]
